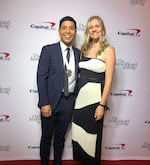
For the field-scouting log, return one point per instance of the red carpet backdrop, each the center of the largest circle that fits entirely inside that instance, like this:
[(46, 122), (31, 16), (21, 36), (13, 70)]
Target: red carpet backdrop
[(27, 25)]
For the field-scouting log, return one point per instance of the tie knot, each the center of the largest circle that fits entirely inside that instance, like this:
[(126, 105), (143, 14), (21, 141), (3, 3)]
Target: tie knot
[(68, 49)]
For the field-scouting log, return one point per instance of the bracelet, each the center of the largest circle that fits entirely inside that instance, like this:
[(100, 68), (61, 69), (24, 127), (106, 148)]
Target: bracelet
[(105, 106), (102, 105)]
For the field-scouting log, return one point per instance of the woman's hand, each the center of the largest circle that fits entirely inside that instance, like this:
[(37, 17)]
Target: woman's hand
[(99, 112)]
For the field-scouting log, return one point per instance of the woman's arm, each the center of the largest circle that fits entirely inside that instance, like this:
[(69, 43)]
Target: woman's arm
[(110, 58)]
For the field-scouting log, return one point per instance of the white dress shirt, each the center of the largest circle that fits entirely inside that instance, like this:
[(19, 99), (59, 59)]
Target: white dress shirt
[(69, 66)]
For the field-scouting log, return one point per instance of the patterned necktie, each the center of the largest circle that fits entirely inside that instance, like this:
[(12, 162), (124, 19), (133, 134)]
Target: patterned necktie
[(68, 54), (66, 91)]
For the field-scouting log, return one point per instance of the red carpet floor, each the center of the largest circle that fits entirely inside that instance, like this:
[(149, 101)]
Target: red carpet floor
[(67, 162)]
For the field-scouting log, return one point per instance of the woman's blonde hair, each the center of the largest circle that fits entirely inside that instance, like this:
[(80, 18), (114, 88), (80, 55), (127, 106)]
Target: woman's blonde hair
[(88, 41)]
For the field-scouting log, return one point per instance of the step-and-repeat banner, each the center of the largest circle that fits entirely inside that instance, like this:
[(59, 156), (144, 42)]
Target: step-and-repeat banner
[(26, 26)]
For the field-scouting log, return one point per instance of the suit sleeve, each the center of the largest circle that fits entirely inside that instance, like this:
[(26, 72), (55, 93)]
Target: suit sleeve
[(42, 77)]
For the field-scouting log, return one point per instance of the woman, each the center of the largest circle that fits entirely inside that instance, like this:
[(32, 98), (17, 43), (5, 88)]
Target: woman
[(96, 74)]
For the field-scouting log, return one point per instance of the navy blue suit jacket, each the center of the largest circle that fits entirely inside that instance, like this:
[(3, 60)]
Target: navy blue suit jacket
[(50, 74)]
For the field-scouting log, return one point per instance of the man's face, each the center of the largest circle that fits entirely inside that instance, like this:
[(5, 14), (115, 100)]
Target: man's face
[(67, 32)]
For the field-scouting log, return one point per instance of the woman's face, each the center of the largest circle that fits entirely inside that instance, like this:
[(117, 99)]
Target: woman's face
[(95, 29)]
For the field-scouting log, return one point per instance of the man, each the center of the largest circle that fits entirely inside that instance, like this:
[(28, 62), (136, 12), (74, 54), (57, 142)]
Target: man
[(56, 106)]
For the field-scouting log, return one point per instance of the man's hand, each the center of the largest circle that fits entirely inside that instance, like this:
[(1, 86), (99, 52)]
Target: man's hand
[(46, 110)]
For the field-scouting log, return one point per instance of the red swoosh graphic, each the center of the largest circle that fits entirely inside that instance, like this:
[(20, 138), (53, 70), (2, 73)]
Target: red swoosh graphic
[(6, 116), (137, 30), (129, 91), (5, 53), (51, 23)]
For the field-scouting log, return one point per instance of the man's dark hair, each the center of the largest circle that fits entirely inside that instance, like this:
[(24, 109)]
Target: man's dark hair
[(67, 18)]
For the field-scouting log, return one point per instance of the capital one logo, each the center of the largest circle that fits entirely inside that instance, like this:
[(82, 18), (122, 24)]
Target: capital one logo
[(44, 26), (135, 32), (120, 146), (126, 92)]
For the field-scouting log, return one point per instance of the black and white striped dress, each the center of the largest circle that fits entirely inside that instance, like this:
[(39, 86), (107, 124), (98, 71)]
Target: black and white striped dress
[(86, 132)]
